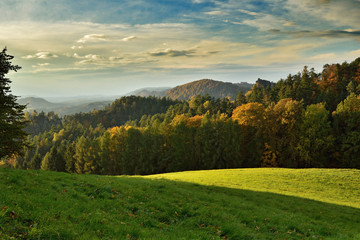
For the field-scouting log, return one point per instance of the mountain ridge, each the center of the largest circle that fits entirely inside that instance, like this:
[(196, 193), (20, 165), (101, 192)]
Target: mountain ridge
[(214, 88)]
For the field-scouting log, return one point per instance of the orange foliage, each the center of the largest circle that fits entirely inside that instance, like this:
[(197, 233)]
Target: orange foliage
[(194, 121), (357, 75), (329, 78)]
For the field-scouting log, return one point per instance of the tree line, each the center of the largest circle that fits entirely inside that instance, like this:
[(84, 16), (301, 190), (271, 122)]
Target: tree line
[(306, 120)]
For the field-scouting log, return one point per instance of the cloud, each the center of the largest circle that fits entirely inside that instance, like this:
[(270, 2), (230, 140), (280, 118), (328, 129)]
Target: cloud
[(338, 13), (288, 23), (126, 39), (355, 53), (88, 59), (40, 65), (249, 12), (92, 38), (173, 53), (76, 47), (216, 13), (265, 22), (323, 57), (349, 33), (198, 1), (40, 55)]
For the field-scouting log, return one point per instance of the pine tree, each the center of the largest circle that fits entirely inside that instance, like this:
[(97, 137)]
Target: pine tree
[(12, 122)]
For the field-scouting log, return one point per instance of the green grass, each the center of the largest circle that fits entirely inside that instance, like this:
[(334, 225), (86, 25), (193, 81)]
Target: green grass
[(339, 186), (50, 205)]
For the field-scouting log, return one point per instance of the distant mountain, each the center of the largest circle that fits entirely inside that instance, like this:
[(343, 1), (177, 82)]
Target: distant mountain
[(146, 92), (216, 89), (63, 108), (38, 103)]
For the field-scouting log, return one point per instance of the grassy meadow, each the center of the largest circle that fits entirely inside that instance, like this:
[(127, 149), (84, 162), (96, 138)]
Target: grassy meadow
[(217, 204), (339, 186)]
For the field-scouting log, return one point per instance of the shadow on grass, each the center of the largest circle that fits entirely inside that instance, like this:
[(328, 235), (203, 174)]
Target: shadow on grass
[(50, 205)]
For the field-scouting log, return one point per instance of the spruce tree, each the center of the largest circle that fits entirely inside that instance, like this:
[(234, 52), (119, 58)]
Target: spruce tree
[(12, 122)]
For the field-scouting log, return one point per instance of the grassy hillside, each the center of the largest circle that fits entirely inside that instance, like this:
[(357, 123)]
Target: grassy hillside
[(339, 186), (50, 205)]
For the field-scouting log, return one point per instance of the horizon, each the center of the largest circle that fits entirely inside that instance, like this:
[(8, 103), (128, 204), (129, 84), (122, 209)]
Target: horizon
[(101, 97), (88, 48)]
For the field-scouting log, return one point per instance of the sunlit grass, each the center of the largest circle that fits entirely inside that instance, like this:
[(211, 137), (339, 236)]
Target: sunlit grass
[(339, 186), (50, 205)]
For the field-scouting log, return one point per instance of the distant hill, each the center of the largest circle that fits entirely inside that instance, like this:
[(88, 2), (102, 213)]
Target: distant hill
[(216, 89), (64, 108), (147, 92), (35, 103)]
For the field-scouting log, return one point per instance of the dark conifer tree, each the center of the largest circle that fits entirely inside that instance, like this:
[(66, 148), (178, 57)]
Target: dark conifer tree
[(12, 122)]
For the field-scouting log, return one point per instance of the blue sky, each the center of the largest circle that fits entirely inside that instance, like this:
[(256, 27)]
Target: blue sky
[(71, 48)]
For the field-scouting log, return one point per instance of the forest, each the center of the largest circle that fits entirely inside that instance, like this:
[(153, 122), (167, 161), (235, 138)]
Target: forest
[(307, 120)]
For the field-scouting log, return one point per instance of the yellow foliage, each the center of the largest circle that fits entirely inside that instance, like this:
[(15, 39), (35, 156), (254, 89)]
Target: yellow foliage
[(58, 136), (207, 105), (288, 110), (179, 119), (251, 114)]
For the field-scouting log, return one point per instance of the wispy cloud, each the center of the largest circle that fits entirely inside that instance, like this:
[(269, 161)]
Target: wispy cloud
[(266, 22), (92, 38), (173, 53), (323, 57), (40, 55), (321, 34), (337, 13), (126, 39), (215, 13), (40, 65), (249, 12)]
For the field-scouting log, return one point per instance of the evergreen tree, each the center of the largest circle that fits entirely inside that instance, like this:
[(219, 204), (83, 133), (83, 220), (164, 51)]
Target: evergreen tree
[(316, 142), (12, 122)]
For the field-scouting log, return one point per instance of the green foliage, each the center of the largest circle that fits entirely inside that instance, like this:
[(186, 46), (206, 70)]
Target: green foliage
[(123, 110), (316, 140), (346, 127), (12, 122)]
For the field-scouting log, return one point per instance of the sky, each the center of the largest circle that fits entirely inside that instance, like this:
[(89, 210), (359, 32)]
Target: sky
[(111, 47)]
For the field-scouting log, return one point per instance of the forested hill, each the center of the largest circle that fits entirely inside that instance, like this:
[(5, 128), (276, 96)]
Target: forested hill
[(38, 103), (147, 92), (123, 110), (216, 89), (63, 108), (306, 120)]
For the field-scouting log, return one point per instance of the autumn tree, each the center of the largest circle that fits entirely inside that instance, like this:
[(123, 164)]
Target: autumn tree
[(250, 114), (282, 128)]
